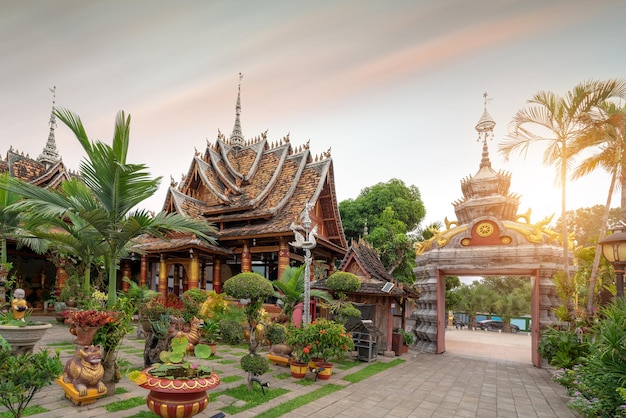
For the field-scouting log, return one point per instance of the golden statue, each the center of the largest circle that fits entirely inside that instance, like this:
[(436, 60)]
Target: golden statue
[(19, 304)]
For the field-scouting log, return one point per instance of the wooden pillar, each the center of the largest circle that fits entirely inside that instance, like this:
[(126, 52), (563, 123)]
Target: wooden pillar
[(163, 279), (176, 279), (217, 274), (143, 272), (194, 270), (126, 264), (283, 256), (246, 257)]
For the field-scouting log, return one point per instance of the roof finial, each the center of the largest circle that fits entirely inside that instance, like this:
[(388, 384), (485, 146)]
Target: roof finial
[(50, 155), (484, 127), (236, 138)]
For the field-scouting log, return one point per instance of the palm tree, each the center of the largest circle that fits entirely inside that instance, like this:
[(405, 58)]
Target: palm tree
[(510, 305), (290, 288), (112, 188), (9, 218), (606, 135), (558, 121), (474, 299)]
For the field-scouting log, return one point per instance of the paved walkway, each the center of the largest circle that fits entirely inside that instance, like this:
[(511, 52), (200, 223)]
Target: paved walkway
[(466, 381)]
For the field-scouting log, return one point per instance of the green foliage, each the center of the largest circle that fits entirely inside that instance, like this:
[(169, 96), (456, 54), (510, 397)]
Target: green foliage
[(290, 286), (321, 339), (175, 365), (255, 364), (475, 298), (408, 338), (23, 375), (343, 282), (561, 348), (391, 210), (594, 383), (452, 298), (231, 331), (210, 331), (275, 333), (248, 285)]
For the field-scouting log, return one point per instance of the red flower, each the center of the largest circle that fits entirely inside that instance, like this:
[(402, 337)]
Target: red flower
[(306, 350)]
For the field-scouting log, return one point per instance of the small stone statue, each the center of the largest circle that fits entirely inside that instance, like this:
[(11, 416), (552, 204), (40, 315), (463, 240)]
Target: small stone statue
[(85, 370), (19, 304)]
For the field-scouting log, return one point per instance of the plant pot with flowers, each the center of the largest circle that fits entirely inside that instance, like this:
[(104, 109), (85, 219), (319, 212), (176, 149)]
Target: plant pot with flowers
[(178, 387), (85, 324), (328, 340), (297, 339)]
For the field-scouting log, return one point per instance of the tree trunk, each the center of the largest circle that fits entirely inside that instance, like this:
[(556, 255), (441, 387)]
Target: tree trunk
[(111, 372), (596, 259)]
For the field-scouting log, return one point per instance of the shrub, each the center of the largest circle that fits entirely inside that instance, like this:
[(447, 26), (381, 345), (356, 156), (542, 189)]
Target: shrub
[(231, 331), (275, 333), (561, 348), (342, 281), (255, 364)]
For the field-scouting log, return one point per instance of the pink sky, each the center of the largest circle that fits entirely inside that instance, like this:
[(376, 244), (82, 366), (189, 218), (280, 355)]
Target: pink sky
[(393, 88)]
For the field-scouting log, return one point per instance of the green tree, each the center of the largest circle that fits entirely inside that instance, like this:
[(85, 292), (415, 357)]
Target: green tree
[(112, 188), (474, 299), (606, 136), (509, 305), (557, 121), (389, 211), (452, 297), (9, 217)]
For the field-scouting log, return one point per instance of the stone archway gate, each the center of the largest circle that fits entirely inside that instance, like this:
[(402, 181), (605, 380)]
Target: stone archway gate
[(486, 246)]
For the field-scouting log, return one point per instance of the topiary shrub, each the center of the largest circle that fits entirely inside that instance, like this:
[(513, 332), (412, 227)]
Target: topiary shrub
[(255, 289), (231, 331), (255, 364), (342, 281)]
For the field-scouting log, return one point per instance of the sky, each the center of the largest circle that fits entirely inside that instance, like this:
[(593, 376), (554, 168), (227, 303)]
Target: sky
[(393, 88)]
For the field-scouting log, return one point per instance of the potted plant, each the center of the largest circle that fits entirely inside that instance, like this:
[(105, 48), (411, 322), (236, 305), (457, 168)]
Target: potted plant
[(22, 334), (408, 338), (23, 375), (85, 324), (209, 334), (177, 386), (299, 341), (327, 340)]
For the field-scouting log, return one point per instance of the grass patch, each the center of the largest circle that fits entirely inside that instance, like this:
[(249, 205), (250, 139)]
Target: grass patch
[(371, 370), (300, 401), (229, 379), (307, 381), (239, 354), (227, 361), (252, 397), (29, 410), (346, 364), (144, 414), (125, 404), (120, 390), (283, 376)]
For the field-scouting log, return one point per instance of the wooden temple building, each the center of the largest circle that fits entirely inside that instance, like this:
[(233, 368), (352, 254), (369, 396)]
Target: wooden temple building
[(253, 191), (35, 273)]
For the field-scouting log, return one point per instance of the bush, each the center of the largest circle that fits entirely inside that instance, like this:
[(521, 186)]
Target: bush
[(255, 364), (561, 348), (275, 333), (342, 281), (231, 331)]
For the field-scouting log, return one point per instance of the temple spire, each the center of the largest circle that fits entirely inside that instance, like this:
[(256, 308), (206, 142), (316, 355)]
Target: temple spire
[(236, 138), (484, 127), (50, 155)]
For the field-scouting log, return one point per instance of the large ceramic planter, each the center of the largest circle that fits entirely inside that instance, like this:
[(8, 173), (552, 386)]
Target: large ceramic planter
[(323, 370), (23, 339), (179, 398)]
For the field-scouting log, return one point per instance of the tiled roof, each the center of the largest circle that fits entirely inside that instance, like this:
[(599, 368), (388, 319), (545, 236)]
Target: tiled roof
[(32, 171), (259, 189), (363, 261)]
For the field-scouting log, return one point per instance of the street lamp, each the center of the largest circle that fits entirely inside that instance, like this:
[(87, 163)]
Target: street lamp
[(614, 250), (306, 242)]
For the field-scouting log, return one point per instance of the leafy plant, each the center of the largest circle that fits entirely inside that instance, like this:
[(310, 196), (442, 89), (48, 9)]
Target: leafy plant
[(290, 290), (561, 348), (210, 331), (23, 375), (231, 331), (321, 339), (408, 338), (255, 364), (275, 333), (90, 318), (175, 364)]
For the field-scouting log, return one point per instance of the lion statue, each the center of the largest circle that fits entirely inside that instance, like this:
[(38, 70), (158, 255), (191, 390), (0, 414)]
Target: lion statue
[(85, 370)]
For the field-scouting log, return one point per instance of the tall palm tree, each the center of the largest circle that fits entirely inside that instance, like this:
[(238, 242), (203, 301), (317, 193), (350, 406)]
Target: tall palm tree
[(606, 137), (112, 188), (474, 299), (558, 121)]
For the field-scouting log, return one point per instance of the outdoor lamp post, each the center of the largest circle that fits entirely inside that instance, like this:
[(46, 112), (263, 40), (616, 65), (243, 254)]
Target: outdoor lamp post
[(614, 250), (307, 243)]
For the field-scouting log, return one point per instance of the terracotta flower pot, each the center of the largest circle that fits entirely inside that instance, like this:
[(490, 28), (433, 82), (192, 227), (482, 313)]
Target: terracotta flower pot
[(85, 335), (178, 398), (298, 370), (324, 370)]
